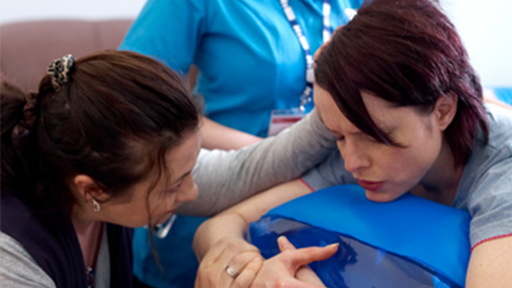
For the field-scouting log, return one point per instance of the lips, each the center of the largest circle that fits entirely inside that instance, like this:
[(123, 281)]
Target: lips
[(370, 185)]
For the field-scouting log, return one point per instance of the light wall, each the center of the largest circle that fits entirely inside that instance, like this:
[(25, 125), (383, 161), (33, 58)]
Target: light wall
[(21, 10), (485, 29), (483, 25)]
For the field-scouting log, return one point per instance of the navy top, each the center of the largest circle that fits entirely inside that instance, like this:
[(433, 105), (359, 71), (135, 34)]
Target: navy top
[(51, 240)]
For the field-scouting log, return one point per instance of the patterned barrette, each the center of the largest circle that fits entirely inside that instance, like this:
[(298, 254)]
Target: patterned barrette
[(59, 70)]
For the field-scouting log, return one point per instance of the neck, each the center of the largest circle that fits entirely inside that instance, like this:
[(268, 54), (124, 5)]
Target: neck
[(88, 231), (441, 181), (82, 219)]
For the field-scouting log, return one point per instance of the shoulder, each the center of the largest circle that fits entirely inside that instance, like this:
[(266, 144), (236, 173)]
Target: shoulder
[(168, 5), (19, 217), (486, 158), (49, 239), (16, 213), (485, 189), (500, 126), (18, 268), (498, 149)]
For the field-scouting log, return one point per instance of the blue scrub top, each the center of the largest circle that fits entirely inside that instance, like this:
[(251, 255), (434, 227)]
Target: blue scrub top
[(250, 59)]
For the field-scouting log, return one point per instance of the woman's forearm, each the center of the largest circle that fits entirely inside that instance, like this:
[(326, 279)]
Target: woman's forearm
[(231, 223), (219, 243), (228, 177), (489, 265), (217, 136)]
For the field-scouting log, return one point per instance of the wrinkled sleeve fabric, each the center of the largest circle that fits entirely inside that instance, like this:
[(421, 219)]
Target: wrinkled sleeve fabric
[(485, 189), (169, 31), (490, 204), (18, 268), (225, 178), (328, 173)]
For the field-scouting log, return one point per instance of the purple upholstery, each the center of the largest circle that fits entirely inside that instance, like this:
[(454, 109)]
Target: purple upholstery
[(26, 48)]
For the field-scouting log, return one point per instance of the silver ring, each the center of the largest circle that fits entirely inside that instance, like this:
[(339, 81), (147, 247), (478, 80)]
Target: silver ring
[(232, 272)]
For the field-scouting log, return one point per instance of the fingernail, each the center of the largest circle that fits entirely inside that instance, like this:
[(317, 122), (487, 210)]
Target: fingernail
[(280, 242), (332, 245), (257, 259)]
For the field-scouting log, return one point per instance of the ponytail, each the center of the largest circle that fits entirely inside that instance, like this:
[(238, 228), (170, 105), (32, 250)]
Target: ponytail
[(17, 153)]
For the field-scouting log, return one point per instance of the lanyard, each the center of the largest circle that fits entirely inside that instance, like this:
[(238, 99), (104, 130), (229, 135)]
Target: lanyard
[(326, 34)]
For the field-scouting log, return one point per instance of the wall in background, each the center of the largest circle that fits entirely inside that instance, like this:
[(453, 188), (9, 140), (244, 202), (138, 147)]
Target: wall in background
[(21, 10), (484, 28)]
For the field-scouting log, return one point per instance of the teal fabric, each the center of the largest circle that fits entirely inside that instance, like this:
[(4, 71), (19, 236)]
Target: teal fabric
[(177, 259), (426, 232), (250, 59), (504, 94)]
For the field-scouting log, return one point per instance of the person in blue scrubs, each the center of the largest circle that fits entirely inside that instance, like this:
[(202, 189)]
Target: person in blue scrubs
[(249, 57), (250, 61)]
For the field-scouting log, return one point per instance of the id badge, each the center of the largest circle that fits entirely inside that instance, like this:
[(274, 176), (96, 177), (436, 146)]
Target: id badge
[(284, 118)]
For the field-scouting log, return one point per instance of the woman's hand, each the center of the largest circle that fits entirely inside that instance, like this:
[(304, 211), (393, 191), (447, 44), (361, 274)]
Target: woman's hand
[(219, 242), (247, 268), (243, 259), (304, 273), (288, 269)]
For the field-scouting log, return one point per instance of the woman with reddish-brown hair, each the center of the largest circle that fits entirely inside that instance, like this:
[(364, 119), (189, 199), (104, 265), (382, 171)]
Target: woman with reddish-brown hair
[(396, 88)]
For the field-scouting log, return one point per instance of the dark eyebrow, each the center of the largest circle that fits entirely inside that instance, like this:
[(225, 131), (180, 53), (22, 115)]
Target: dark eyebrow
[(182, 177), (333, 132), (386, 130)]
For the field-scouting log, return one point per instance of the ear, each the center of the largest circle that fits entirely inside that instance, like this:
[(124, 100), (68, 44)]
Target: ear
[(445, 110), (87, 187)]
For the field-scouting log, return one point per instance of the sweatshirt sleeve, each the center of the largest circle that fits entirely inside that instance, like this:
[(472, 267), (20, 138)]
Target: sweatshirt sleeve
[(18, 268), (225, 178)]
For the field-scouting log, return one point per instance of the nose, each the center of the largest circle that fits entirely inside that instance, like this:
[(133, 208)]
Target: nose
[(353, 156)]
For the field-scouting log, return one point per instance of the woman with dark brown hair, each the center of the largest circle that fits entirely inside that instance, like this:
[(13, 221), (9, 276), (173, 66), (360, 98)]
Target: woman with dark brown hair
[(396, 89), (110, 142)]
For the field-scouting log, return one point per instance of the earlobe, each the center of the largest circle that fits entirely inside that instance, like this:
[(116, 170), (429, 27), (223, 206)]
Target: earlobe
[(86, 187), (446, 108)]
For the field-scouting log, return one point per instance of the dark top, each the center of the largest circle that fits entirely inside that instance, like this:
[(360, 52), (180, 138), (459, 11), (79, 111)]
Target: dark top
[(51, 240)]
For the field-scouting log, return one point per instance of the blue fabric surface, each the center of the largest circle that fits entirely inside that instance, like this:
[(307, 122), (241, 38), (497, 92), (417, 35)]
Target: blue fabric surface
[(427, 233)]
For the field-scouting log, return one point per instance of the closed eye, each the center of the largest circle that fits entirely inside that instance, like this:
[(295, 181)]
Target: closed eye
[(180, 180), (339, 138), (176, 188), (371, 139)]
